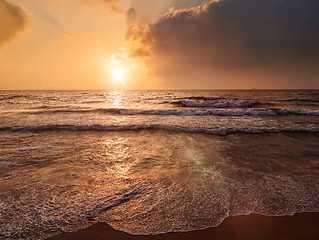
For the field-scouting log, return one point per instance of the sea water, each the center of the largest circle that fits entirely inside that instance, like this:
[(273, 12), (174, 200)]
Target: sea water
[(150, 162)]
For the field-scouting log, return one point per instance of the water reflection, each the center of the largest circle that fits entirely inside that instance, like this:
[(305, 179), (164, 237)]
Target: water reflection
[(116, 99), (120, 156)]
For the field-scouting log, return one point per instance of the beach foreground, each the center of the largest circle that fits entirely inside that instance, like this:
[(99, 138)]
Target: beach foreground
[(301, 226)]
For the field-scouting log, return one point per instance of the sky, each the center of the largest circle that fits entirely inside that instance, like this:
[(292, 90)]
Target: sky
[(151, 44)]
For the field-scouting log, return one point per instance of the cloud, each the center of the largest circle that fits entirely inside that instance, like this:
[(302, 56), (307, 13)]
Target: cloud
[(234, 39), (13, 20)]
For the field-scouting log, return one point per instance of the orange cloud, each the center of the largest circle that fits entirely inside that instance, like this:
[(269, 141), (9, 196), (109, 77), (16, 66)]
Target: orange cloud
[(13, 19), (138, 41)]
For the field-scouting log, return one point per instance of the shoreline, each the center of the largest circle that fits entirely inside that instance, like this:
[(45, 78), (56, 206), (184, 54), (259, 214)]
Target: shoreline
[(301, 226)]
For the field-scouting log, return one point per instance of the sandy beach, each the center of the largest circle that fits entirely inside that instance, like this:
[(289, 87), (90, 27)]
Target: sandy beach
[(302, 226)]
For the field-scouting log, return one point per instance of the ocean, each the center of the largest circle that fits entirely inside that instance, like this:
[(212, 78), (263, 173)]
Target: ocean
[(150, 162)]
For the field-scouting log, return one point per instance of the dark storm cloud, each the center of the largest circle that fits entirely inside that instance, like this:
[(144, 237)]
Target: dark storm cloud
[(234, 35), (13, 20)]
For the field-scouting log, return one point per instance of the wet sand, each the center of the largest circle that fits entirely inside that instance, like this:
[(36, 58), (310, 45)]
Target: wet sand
[(304, 226)]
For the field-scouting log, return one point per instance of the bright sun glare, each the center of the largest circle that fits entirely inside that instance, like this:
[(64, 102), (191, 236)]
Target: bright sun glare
[(116, 68), (118, 74)]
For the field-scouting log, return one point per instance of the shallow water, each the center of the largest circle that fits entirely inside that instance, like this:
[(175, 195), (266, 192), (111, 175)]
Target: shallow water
[(69, 159)]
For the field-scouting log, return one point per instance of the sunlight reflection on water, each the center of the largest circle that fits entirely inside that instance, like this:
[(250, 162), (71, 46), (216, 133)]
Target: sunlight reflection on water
[(116, 99)]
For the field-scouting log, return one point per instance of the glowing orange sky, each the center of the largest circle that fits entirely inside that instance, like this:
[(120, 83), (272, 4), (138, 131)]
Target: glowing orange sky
[(88, 44), (64, 45)]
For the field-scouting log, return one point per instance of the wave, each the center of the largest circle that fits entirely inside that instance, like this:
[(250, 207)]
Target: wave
[(184, 112), (300, 100), (218, 104), (98, 127), (93, 101), (165, 112), (51, 108), (11, 97), (200, 98), (198, 112), (296, 112)]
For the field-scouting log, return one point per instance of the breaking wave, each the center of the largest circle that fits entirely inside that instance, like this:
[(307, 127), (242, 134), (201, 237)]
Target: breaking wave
[(201, 98)]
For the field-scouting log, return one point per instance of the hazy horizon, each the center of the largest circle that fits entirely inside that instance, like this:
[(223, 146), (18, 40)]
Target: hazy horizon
[(168, 89)]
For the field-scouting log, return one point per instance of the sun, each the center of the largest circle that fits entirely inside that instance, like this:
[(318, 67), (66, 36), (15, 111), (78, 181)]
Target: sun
[(118, 74), (116, 68)]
